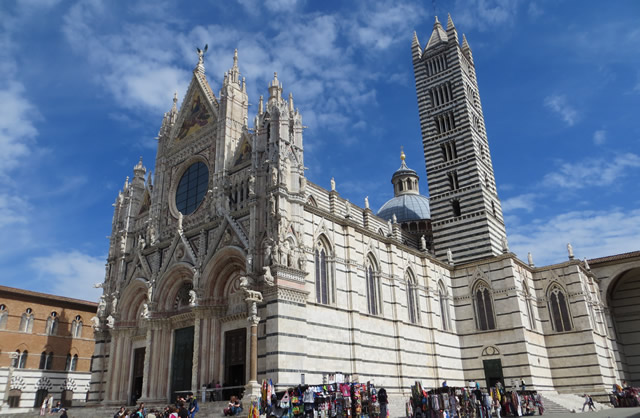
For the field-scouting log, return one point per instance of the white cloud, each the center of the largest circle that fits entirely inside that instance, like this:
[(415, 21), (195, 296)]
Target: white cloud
[(71, 274), (534, 11), (13, 210), (485, 14), (559, 104), (599, 137), (592, 172), (525, 201), (591, 233), (281, 5)]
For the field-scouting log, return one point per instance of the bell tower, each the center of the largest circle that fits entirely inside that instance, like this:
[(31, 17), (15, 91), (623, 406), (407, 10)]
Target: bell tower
[(466, 214)]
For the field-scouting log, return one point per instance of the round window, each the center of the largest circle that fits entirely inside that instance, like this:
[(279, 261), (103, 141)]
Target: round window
[(192, 188)]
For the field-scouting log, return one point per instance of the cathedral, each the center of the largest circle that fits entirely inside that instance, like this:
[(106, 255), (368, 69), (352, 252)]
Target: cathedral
[(228, 265)]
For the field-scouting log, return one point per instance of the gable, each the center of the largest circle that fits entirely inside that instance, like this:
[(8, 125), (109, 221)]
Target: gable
[(243, 153), (196, 116)]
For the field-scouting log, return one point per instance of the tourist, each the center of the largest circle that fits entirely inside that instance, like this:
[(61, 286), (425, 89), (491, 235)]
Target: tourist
[(56, 408), (234, 407), (120, 413), (143, 410), (182, 409), (193, 405), (64, 413), (588, 402), (46, 405), (173, 411)]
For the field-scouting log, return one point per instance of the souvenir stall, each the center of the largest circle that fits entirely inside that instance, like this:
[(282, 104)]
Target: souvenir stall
[(331, 400), (625, 397), (459, 402)]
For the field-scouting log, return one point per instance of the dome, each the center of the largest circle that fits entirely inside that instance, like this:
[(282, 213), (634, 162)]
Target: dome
[(407, 207)]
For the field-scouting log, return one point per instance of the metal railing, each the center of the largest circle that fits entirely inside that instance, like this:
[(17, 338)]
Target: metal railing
[(213, 394)]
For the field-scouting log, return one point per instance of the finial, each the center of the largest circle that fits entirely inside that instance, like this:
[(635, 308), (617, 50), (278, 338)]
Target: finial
[(261, 106), (275, 76), (570, 251), (402, 156), (200, 65), (366, 202), (291, 102), (530, 260), (235, 57)]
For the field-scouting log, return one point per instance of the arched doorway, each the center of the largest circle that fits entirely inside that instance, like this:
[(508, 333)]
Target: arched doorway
[(624, 306)]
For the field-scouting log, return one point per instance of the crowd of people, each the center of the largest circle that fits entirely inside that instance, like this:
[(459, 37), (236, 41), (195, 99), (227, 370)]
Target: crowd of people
[(183, 408), (624, 396)]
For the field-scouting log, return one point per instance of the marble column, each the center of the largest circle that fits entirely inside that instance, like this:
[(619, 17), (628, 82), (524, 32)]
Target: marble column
[(147, 360), (195, 369), (252, 388)]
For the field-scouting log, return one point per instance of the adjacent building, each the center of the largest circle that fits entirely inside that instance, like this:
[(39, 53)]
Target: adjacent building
[(46, 344)]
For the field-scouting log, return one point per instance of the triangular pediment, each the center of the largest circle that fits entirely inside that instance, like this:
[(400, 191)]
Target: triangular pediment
[(243, 153), (198, 110)]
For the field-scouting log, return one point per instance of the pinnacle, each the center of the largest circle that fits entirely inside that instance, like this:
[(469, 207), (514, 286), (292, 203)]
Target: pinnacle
[(450, 24)]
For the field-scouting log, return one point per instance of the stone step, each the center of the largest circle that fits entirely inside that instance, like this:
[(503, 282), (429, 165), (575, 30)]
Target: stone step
[(550, 407)]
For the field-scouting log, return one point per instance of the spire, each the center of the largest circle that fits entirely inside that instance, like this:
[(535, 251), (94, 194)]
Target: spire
[(437, 36), (234, 72), (416, 51), (450, 24), (466, 49), (290, 102), (261, 106), (275, 88), (139, 170)]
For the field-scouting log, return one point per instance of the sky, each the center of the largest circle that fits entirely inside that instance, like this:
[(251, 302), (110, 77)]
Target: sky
[(84, 85)]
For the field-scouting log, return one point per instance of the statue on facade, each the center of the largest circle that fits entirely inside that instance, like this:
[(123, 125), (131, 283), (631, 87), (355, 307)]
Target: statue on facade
[(389, 227), (102, 307), (114, 302), (293, 258), (394, 218), (530, 260), (201, 54), (95, 323), (267, 276), (145, 311), (252, 185), (505, 245), (266, 253), (123, 244), (302, 261), (366, 202), (423, 243), (110, 322), (141, 242), (347, 209), (449, 256), (570, 251), (275, 253), (333, 184), (284, 254), (274, 175), (586, 264), (303, 183), (192, 297), (151, 233)]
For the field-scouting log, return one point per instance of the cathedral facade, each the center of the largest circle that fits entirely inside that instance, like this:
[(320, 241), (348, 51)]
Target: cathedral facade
[(230, 266)]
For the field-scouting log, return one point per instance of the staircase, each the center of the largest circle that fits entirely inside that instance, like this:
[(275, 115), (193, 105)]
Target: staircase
[(550, 407)]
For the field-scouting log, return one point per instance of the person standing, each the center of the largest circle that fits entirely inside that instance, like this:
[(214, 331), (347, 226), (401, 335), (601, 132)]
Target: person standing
[(46, 405), (193, 406)]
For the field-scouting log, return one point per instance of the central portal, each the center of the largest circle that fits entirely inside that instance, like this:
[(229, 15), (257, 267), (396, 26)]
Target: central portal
[(182, 361), (234, 359), (493, 372)]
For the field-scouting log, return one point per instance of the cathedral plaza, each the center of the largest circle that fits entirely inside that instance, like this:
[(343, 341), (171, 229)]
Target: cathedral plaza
[(230, 273)]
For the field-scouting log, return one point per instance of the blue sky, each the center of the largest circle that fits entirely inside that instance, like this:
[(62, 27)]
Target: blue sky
[(84, 84)]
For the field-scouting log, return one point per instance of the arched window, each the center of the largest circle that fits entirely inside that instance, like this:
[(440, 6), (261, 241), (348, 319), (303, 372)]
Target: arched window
[(528, 302), (373, 286), (484, 307), (324, 288), (76, 327), (22, 361), (43, 360), (444, 307), (74, 363), (49, 364), (52, 324), (559, 310), (413, 301), (26, 321), (16, 359), (67, 365), (4, 315)]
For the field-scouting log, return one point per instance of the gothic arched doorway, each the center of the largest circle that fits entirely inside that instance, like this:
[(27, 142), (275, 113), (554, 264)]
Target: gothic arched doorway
[(624, 305)]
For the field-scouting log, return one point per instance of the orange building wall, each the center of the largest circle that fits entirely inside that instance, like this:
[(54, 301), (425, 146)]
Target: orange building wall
[(11, 339)]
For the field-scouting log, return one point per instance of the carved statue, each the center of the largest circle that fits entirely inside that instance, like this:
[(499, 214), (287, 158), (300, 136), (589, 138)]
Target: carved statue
[(141, 242), (192, 297), (284, 254), (333, 184), (586, 264), (505, 245), (274, 175), (570, 251), (302, 261), (114, 302), (98, 285), (149, 291), (201, 54), (394, 218), (389, 227), (102, 307), (267, 276), (272, 205), (267, 260), (347, 209), (303, 183), (151, 233), (95, 323), (252, 185), (275, 253), (145, 311), (423, 243), (530, 259), (123, 244), (110, 322), (366, 202), (293, 258), (449, 256)]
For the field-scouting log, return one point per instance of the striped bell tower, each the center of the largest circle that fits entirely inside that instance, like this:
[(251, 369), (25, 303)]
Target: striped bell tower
[(466, 214)]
